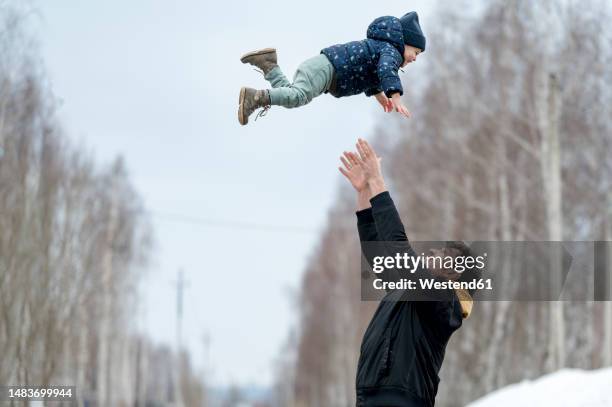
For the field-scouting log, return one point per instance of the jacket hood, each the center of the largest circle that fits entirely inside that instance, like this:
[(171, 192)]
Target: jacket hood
[(388, 29), (466, 301)]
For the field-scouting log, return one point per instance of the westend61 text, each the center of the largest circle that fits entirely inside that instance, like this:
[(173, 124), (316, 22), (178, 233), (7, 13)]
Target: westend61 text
[(432, 284)]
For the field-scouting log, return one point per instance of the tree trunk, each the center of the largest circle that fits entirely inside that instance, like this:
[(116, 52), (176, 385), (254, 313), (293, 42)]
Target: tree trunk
[(607, 311), (107, 270), (551, 177)]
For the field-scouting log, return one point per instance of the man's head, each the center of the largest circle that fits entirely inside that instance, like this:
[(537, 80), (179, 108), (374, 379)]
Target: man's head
[(454, 249), (414, 39)]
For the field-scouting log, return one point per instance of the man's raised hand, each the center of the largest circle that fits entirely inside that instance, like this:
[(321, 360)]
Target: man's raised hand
[(370, 164), (353, 172), (369, 161)]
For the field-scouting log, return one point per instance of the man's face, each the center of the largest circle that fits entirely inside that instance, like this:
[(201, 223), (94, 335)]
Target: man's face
[(410, 54), (445, 273)]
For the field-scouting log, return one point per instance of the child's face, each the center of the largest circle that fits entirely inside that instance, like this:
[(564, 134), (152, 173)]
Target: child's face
[(410, 54)]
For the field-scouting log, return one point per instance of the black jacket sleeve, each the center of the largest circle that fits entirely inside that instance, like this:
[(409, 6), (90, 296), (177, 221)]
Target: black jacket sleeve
[(392, 235), (367, 232), (389, 226)]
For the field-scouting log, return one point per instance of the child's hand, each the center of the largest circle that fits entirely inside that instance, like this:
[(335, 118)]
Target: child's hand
[(399, 106), (384, 101)]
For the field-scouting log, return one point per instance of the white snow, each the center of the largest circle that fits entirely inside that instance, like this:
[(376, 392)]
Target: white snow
[(564, 388)]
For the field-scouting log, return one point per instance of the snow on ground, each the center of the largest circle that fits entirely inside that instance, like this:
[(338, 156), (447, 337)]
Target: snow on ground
[(564, 388)]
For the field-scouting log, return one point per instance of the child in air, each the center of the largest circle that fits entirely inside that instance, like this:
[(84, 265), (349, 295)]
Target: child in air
[(368, 66)]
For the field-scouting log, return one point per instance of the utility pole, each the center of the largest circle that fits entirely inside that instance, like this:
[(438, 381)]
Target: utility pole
[(205, 368), (607, 314), (180, 288), (554, 185)]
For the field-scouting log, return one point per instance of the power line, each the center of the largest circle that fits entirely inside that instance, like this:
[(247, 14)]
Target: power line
[(236, 225)]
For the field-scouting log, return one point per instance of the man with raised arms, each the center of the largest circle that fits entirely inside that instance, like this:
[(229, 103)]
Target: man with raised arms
[(403, 347)]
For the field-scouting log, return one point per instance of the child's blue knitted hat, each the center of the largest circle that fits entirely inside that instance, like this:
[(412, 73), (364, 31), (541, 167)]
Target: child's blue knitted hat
[(413, 35)]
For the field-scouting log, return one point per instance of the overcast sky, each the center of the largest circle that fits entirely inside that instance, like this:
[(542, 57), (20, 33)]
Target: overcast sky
[(157, 82)]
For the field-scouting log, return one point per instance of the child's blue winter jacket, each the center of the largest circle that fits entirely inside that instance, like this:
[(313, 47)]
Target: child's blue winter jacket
[(370, 65)]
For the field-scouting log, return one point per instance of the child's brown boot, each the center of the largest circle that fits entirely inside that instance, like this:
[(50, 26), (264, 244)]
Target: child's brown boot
[(250, 100), (264, 59)]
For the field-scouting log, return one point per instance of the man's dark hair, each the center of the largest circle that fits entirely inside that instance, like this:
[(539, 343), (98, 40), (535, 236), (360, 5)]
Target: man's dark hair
[(470, 273)]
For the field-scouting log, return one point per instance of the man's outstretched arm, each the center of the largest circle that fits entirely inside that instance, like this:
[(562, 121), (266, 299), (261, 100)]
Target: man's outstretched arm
[(374, 223), (389, 226), (388, 222), (366, 226)]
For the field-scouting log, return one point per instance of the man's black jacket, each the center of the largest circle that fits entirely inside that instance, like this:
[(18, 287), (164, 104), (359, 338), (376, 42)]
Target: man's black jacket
[(403, 347)]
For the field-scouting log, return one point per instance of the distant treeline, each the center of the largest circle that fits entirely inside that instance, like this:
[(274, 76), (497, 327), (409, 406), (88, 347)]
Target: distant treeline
[(74, 242)]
